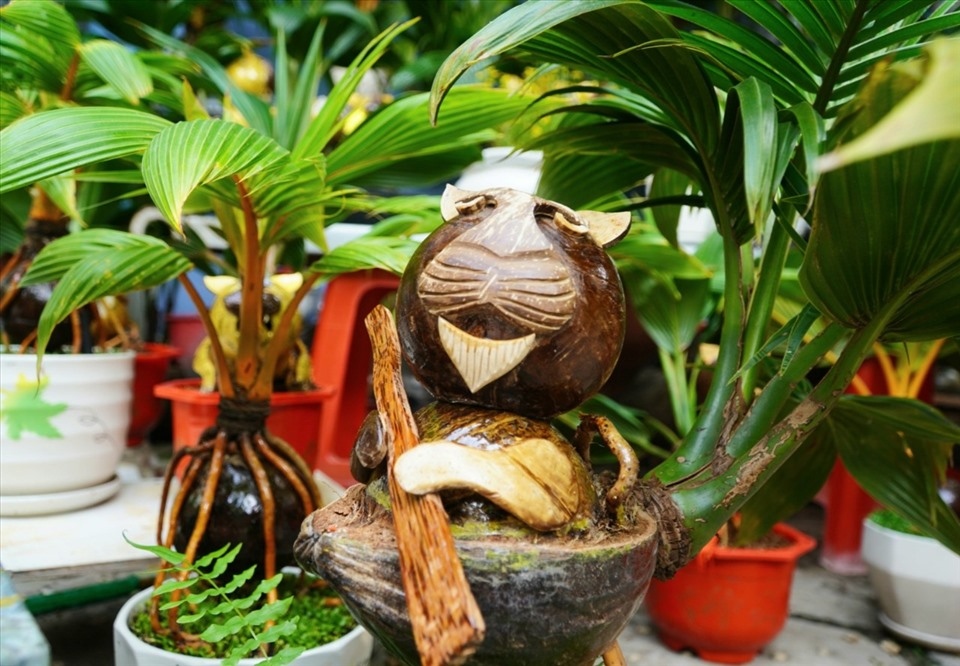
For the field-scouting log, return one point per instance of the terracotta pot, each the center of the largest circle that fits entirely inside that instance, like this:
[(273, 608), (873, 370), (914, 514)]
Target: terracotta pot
[(295, 416), (185, 332), (917, 581), (728, 603), (354, 649), (149, 369)]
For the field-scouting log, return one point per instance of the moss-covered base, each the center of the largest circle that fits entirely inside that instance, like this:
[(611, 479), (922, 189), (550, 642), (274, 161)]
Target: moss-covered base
[(547, 599)]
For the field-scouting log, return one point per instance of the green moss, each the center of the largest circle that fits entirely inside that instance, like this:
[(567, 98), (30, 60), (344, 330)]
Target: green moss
[(890, 520), (320, 616), (476, 529), (379, 492)]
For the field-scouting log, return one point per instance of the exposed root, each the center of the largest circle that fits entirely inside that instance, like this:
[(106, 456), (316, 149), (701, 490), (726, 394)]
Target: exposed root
[(621, 449), (260, 452), (269, 510), (675, 543)]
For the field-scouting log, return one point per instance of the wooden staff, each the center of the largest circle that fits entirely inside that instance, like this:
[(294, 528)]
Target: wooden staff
[(447, 623), (614, 656)]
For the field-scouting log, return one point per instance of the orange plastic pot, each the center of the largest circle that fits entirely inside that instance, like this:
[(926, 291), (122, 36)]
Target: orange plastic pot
[(295, 416), (149, 369), (728, 603)]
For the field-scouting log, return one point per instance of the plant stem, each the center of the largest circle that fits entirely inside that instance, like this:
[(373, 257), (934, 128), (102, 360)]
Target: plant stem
[(708, 501), (225, 381), (839, 57), (698, 446), (251, 304), (915, 384), (777, 391), (674, 373), (761, 304)]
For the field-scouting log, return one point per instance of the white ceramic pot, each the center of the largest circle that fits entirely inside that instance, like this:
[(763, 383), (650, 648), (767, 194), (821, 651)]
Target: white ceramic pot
[(354, 649), (917, 582), (77, 422), (501, 167)]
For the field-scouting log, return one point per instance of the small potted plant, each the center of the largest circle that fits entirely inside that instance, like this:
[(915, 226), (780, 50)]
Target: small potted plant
[(49, 64), (228, 619), (692, 609), (916, 579)]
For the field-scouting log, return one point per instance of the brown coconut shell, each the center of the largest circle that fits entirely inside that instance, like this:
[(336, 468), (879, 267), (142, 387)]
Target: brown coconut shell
[(547, 600)]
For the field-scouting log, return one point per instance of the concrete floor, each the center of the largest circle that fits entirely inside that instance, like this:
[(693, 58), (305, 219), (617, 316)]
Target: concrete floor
[(833, 622)]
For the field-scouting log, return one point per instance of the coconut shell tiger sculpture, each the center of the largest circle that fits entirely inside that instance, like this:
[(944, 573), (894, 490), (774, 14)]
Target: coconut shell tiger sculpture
[(509, 314)]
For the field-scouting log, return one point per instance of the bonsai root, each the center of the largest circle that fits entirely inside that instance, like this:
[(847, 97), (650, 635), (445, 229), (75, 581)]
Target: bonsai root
[(279, 481), (621, 449)]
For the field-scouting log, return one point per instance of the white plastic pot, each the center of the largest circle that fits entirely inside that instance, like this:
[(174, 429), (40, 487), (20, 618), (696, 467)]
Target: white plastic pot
[(354, 649), (87, 398), (917, 582)]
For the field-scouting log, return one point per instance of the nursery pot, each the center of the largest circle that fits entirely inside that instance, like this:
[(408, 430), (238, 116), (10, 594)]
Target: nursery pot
[(917, 583), (353, 649), (728, 603), (294, 415), (69, 432), (150, 368)]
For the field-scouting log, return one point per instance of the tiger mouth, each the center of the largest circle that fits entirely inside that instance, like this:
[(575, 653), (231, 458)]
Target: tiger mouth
[(481, 361)]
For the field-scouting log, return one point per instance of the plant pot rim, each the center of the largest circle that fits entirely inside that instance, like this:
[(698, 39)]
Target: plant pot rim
[(79, 357), (800, 544), (890, 532), (122, 628), (188, 390), (158, 350)]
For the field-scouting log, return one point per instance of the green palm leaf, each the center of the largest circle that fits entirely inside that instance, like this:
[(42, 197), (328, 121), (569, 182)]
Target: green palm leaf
[(53, 142), (98, 263), (389, 253), (190, 154), (30, 61), (325, 125), (47, 19), (401, 132), (761, 178), (897, 450), (928, 113), (255, 111), (11, 108), (601, 38), (878, 230), (119, 67)]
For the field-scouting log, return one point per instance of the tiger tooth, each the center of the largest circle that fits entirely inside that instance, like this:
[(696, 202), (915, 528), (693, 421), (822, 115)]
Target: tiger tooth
[(479, 360)]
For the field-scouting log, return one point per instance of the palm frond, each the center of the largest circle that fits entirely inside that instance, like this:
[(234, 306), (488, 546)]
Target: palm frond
[(54, 142)]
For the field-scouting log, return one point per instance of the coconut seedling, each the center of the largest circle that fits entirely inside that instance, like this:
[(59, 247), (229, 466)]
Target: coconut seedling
[(279, 177)]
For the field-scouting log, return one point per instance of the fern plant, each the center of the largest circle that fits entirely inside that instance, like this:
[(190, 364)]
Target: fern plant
[(234, 618)]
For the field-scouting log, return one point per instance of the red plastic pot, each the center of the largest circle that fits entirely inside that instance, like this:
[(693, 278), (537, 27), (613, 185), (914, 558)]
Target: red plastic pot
[(728, 603), (846, 503), (149, 369), (295, 416)]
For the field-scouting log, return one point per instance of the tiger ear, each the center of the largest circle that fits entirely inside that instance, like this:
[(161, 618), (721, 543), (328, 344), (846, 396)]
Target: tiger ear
[(448, 201), (287, 282), (606, 228), (221, 285)]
